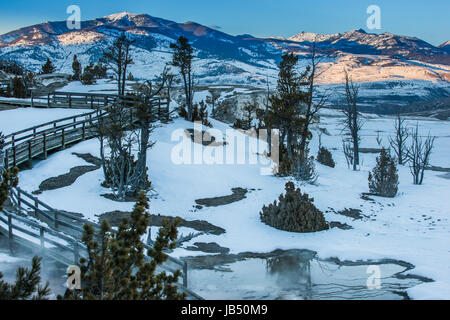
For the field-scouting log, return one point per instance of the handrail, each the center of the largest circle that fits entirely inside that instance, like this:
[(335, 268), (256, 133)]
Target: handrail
[(50, 123), (17, 194), (34, 130), (34, 133), (41, 237)]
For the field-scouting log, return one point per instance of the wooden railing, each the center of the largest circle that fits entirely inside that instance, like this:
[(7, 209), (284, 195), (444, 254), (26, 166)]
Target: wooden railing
[(62, 99), (25, 145), (48, 242), (72, 99), (60, 221)]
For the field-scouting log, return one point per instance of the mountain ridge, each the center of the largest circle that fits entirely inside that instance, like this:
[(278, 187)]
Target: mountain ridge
[(220, 56)]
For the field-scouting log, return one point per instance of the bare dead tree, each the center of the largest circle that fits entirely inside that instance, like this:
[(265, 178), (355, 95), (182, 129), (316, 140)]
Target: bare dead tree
[(398, 143), (117, 58), (269, 132), (379, 139), (352, 121), (313, 100), (124, 135), (348, 153), (169, 86), (418, 154), (145, 117), (117, 138)]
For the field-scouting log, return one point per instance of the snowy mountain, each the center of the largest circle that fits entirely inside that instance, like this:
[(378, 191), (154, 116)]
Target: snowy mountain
[(387, 44), (237, 57), (386, 63), (445, 46)]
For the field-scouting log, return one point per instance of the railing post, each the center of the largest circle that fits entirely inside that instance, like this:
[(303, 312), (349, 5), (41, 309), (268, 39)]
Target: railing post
[(56, 219), (19, 199), (30, 155), (36, 207), (76, 254), (84, 130), (70, 100), (75, 122), (32, 99), (48, 100), (7, 158), (185, 280), (14, 156), (63, 141), (92, 102), (10, 233), (45, 146)]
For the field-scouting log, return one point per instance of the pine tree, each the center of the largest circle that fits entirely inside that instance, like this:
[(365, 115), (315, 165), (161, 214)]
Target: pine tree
[(325, 157), (88, 76), (27, 285), (100, 71), (249, 109), (294, 212), (285, 113), (116, 268), (76, 67), (48, 67), (9, 180), (18, 88), (182, 58), (383, 180)]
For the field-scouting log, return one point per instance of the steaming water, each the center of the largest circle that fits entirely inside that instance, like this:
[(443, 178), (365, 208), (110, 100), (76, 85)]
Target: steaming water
[(293, 276), (286, 276), (51, 271)]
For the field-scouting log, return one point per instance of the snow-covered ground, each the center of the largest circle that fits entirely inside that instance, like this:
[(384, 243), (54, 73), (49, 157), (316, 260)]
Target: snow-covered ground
[(105, 86), (22, 118), (413, 227)]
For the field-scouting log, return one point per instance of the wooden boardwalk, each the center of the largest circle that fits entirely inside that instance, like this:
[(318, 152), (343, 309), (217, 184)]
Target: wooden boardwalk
[(61, 99), (25, 145), (61, 238), (57, 234)]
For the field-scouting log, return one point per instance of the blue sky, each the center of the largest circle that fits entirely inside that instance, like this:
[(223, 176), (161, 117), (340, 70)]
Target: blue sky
[(428, 20)]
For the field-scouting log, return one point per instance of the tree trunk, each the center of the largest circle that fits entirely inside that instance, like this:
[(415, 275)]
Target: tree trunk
[(289, 142)]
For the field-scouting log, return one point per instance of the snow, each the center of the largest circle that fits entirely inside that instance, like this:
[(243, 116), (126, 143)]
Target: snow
[(412, 227), (22, 118), (80, 37), (105, 86)]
